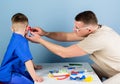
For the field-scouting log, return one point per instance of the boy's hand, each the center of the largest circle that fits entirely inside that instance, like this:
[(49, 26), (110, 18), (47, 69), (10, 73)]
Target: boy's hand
[(37, 67), (38, 79)]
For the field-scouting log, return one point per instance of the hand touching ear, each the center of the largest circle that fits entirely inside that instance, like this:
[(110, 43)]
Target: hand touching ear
[(38, 31), (34, 38)]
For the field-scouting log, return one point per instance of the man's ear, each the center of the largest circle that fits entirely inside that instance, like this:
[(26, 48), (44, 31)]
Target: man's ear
[(89, 30)]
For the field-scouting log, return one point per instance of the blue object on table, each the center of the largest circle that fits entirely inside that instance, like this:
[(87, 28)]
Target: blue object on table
[(82, 78), (71, 67)]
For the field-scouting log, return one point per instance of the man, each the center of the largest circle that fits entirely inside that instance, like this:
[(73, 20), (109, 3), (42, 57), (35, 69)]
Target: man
[(101, 42)]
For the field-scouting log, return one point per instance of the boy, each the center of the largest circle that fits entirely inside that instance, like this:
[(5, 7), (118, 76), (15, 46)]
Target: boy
[(18, 57)]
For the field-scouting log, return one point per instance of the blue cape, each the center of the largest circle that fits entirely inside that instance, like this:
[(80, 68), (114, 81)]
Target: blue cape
[(16, 55)]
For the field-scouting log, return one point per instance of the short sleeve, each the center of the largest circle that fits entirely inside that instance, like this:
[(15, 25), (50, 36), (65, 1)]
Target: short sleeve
[(23, 51), (91, 44)]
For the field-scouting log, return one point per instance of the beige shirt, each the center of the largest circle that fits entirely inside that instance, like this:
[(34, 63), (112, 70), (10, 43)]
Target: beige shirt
[(104, 48)]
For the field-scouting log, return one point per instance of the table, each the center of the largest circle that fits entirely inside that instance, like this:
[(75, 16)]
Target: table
[(49, 68)]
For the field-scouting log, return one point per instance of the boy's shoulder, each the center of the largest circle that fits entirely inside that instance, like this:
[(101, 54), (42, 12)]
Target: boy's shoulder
[(18, 37), (18, 40)]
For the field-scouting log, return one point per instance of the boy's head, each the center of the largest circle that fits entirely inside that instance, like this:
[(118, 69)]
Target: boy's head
[(19, 18), (19, 23)]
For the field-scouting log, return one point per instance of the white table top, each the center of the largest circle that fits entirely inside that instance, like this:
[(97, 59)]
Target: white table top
[(58, 66)]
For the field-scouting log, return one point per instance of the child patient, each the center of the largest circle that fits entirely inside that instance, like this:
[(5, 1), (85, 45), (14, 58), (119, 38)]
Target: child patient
[(18, 57)]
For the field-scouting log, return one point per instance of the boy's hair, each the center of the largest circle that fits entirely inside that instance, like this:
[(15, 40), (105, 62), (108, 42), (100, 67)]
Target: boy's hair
[(19, 17), (87, 17)]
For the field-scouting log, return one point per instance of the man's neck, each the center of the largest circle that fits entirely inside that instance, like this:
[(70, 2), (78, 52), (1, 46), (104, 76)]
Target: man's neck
[(95, 28)]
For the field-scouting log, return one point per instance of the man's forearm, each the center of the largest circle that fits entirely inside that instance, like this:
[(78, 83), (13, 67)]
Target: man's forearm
[(64, 52), (56, 49), (63, 36)]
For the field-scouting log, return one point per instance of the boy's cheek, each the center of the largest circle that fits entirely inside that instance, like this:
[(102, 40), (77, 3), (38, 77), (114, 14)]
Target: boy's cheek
[(26, 32)]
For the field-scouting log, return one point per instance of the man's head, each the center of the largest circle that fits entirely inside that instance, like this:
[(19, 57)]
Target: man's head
[(19, 22), (85, 23), (87, 17)]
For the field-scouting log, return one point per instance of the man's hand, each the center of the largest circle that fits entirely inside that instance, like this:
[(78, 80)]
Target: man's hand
[(39, 31), (34, 38)]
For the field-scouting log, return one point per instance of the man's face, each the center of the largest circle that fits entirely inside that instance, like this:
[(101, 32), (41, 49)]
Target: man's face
[(81, 29)]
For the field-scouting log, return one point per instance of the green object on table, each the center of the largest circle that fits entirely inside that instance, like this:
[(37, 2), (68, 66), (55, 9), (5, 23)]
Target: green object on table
[(75, 64)]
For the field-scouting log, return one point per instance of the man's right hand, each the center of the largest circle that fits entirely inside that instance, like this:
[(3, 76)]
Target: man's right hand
[(39, 31)]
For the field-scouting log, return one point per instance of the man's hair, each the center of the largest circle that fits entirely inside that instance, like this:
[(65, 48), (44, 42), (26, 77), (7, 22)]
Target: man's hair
[(87, 17), (19, 17)]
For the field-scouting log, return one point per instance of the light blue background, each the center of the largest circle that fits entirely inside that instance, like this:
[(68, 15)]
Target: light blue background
[(54, 15)]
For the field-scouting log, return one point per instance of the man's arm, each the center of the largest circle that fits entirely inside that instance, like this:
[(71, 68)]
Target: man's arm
[(65, 52), (59, 36), (63, 36)]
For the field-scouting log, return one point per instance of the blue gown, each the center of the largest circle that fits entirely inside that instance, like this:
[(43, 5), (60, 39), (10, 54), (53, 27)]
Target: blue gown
[(12, 69)]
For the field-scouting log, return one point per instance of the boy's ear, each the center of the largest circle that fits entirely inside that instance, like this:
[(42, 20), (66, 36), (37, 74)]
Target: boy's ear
[(12, 28)]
